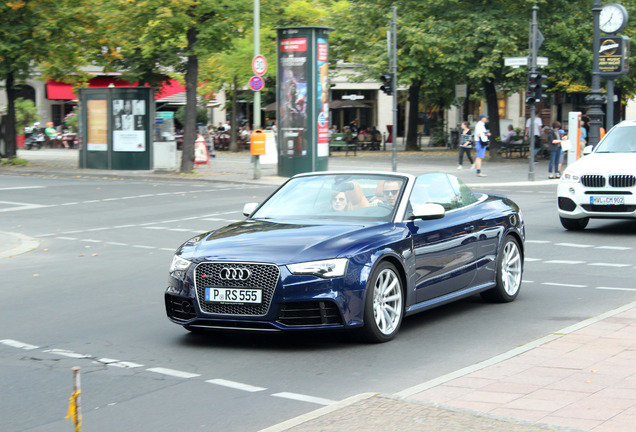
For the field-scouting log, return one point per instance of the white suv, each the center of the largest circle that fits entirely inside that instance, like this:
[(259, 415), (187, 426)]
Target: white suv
[(601, 184)]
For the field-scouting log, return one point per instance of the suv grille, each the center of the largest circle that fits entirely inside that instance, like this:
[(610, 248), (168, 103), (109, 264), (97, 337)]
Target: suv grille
[(590, 180), (261, 276), (622, 181)]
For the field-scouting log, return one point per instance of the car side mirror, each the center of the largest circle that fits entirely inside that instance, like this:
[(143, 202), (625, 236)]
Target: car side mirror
[(587, 150), (428, 211), (249, 208)]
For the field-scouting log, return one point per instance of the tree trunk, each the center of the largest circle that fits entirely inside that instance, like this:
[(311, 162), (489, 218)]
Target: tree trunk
[(233, 123), (190, 126), (493, 119), (414, 104), (9, 127)]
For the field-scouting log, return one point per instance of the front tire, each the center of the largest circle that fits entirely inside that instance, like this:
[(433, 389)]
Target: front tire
[(509, 273), (574, 224), (384, 304)]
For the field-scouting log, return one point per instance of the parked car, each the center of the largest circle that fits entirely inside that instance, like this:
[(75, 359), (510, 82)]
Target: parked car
[(349, 250), (602, 184)]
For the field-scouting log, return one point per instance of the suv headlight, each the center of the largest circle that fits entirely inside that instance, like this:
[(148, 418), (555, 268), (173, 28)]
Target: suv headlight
[(179, 264), (570, 177), (326, 268)]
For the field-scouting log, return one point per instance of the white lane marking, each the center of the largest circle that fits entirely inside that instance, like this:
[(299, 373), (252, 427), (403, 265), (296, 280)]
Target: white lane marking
[(213, 219), (235, 385), (66, 238), (119, 363), (124, 226), (67, 353), (564, 262), (574, 245), (304, 398), (564, 285), (69, 203), (609, 265), (18, 344), (538, 241), (616, 289), (22, 187), (172, 372), (155, 227), (532, 259), (117, 243), (91, 241), (21, 206), (90, 201), (619, 248), (168, 249), (143, 247), (180, 229)]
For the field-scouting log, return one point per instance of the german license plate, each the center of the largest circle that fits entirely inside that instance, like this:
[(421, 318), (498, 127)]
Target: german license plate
[(234, 295), (607, 200)]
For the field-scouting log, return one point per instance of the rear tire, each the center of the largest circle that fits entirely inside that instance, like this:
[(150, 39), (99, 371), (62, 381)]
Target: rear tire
[(383, 305), (574, 224), (509, 273)]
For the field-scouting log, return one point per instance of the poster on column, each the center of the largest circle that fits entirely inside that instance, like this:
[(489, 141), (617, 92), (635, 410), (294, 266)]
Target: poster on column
[(322, 99), (97, 119), (293, 97), (129, 132)]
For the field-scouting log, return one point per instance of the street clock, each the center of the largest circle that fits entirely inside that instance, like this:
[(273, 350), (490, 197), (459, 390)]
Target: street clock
[(613, 18)]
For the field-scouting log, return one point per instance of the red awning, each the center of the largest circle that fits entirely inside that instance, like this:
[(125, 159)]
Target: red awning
[(61, 91)]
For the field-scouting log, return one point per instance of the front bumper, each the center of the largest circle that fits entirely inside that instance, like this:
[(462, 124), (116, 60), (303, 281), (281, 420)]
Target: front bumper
[(574, 201)]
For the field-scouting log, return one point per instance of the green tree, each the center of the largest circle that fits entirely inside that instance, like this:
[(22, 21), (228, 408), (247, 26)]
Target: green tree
[(153, 40), (36, 34)]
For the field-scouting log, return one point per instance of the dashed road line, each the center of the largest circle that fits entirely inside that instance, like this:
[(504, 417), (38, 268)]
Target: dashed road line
[(66, 353), (564, 285), (173, 372), (609, 265), (564, 262), (236, 385), (615, 289), (18, 344), (304, 398), (574, 245)]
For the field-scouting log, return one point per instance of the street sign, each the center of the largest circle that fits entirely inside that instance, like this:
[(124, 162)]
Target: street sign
[(257, 83), (515, 62), (259, 65)]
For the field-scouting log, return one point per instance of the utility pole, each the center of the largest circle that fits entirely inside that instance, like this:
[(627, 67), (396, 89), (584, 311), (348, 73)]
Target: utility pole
[(533, 69), (393, 62), (595, 98)]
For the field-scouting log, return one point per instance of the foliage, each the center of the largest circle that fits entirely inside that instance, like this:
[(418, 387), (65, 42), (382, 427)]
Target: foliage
[(14, 161), (26, 113), (202, 115), (71, 121)]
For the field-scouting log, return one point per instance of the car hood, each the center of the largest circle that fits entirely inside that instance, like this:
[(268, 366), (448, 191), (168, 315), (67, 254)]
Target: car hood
[(605, 163), (280, 243)]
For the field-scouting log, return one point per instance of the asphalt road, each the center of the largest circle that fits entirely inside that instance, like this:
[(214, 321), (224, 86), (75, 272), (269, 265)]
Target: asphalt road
[(91, 296)]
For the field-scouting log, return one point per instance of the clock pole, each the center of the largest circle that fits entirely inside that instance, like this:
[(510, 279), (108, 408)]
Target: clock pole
[(595, 98)]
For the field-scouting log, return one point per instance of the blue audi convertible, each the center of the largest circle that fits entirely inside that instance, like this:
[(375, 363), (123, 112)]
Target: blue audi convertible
[(349, 250)]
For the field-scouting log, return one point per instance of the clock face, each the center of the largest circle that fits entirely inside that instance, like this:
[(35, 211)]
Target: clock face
[(613, 18)]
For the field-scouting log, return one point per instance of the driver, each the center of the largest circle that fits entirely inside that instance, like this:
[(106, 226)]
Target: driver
[(339, 201)]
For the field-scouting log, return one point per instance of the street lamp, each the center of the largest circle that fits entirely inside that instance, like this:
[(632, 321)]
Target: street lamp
[(595, 98)]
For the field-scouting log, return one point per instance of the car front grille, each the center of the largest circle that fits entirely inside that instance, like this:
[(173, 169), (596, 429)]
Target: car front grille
[(590, 180), (622, 181), (615, 180), (261, 276), (309, 313)]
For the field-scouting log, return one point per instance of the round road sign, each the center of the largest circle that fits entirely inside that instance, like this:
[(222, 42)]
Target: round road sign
[(259, 65), (257, 83)]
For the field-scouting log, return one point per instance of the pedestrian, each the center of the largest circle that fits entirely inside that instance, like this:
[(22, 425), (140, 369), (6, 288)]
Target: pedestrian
[(554, 147), (583, 135), (210, 140), (481, 142), (565, 147), (508, 137), (466, 144), (538, 125)]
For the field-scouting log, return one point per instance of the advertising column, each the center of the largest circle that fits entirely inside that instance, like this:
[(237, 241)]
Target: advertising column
[(302, 100)]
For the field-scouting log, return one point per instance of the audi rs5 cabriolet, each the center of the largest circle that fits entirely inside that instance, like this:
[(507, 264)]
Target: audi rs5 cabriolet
[(349, 250)]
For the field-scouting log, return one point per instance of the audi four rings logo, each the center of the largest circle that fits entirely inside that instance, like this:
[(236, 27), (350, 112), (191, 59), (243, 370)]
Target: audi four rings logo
[(236, 274)]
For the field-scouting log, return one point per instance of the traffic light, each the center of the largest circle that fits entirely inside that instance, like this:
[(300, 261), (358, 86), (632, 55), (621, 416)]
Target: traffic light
[(536, 87), (387, 83)]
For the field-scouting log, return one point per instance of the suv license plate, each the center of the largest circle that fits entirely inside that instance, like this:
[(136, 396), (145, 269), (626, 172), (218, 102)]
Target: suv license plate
[(233, 295), (607, 200)]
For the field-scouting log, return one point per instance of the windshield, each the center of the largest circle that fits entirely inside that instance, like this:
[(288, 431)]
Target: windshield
[(619, 140), (336, 197)]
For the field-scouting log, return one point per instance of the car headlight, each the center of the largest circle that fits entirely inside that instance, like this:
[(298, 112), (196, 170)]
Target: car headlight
[(326, 268), (570, 177), (179, 264)]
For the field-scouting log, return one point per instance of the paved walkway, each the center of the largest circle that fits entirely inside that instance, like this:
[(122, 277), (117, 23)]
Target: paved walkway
[(581, 378)]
